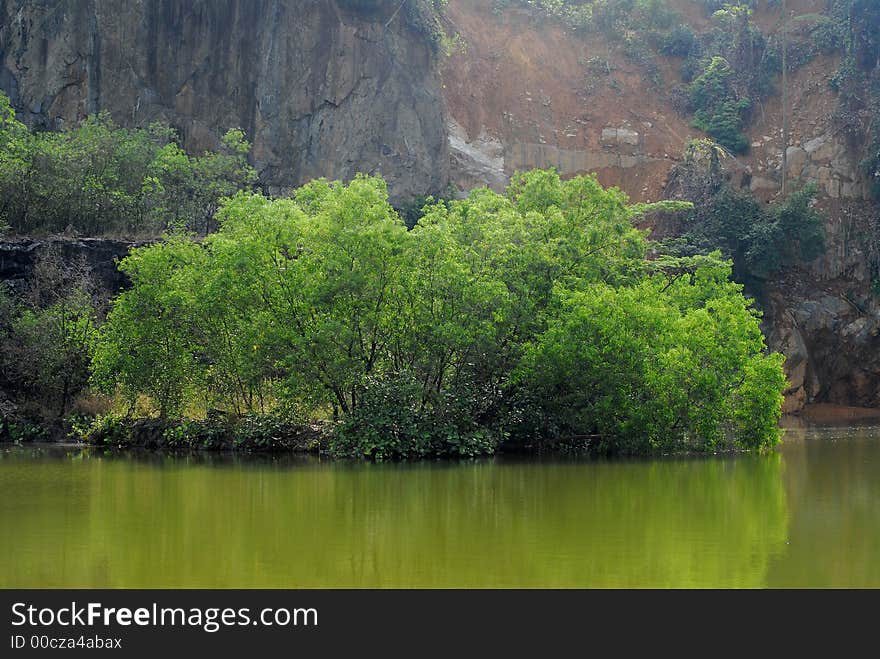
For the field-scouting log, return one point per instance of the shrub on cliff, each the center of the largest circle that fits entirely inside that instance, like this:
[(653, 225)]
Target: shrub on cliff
[(717, 110), (99, 179), (761, 239)]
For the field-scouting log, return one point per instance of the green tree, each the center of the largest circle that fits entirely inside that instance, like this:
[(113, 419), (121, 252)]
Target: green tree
[(47, 338), (675, 362), (100, 179), (439, 340), (15, 163), (149, 343)]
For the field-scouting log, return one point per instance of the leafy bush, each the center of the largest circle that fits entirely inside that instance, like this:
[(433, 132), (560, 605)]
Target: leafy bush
[(640, 369), (680, 42), (827, 36), (254, 432), (393, 421), (46, 337), (107, 430), (717, 110), (425, 15), (99, 179)]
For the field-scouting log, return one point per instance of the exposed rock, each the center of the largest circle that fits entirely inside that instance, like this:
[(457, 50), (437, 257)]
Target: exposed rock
[(785, 337), (759, 183), (797, 158), (830, 342), (620, 137), (823, 149), (476, 162), (521, 156), (322, 88), (17, 260)]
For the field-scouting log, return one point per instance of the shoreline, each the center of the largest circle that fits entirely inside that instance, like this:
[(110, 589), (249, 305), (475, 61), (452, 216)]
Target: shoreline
[(151, 437), (830, 414)]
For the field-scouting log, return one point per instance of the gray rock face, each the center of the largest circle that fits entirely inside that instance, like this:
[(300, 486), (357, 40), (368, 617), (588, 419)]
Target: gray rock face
[(822, 149), (831, 341), (321, 87), (797, 158), (620, 137), (476, 162), (759, 183), (18, 259)]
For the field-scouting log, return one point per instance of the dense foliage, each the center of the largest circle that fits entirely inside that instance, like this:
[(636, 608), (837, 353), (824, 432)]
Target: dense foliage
[(760, 238), (99, 179), (46, 336), (718, 111), (643, 366), (528, 317)]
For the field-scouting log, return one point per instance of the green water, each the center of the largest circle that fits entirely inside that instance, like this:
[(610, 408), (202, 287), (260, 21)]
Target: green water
[(808, 515)]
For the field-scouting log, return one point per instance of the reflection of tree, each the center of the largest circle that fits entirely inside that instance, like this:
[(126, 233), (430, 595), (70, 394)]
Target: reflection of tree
[(709, 522)]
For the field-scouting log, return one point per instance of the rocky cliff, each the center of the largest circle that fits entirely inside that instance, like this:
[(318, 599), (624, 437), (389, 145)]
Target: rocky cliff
[(321, 87), (525, 92), (333, 87)]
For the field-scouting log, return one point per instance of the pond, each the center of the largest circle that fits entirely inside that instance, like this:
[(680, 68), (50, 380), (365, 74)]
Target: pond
[(807, 515)]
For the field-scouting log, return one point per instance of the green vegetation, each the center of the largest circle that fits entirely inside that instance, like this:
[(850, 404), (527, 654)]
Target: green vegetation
[(99, 179), (425, 15), (529, 319), (731, 67), (46, 336), (643, 366), (761, 239), (718, 111), (614, 17), (523, 319), (218, 432)]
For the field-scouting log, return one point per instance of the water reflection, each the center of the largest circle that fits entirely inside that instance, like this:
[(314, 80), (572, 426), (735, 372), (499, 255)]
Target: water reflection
[(832, 477), (79, 518)]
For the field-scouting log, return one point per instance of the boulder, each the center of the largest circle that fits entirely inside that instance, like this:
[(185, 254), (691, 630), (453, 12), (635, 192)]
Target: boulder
[(823, 149), (797, 158), (759, 183), (620, 137)]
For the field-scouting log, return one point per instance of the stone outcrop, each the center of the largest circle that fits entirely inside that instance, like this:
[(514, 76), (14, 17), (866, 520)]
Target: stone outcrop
[(521, 156), (321, 87), (476, 162), (619, 137), (823, 160), (18, 259), (828, 162), (825, 318), (832, 347)]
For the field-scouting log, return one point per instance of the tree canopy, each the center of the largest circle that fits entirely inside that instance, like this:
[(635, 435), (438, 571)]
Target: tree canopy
[(526, 317)]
